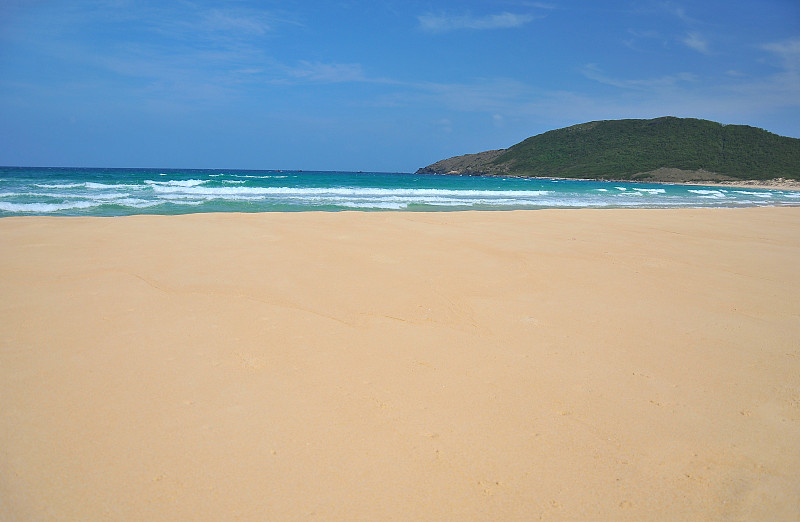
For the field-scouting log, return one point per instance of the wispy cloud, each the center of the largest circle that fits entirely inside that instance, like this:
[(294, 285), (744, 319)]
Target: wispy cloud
[(440, 23), (779, 90), (788, 51), (539, 5), (651, 34), (183, 52), (328, 72), (218, 25), (444, 125), (593, 72), (677, 11), (735, 94), (644, 39), (242, 21), (694, 40), (501, 96)]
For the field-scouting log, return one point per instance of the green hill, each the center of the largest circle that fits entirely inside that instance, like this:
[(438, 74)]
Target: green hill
[(661, 149)]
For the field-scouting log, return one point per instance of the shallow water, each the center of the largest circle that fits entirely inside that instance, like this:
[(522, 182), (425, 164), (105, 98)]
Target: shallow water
[(116, 192)]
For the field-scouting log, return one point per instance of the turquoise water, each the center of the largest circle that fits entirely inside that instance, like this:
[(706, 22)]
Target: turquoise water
[(118, 192)]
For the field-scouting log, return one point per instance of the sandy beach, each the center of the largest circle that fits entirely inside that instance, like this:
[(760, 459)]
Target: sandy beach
[(768, 184), (525, 365)]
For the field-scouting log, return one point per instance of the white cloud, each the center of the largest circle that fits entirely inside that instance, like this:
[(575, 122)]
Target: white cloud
[(734, 96), (677, 11), (780, 90), (182, 51), (593, 72), (788, 51), (442, 23), (246, 21), (483, 95), (329, 72), (695, 41), (540, 5), (645, 34), (444, 125)]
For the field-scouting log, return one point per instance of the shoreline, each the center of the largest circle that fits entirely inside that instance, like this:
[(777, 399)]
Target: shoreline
[(769, 184), (416, 365), (773, 184)]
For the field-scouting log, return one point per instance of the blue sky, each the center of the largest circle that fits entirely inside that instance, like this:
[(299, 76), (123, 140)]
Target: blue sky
[(372, 85)]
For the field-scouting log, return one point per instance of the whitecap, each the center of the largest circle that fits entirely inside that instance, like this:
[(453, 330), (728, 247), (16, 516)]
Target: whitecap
[(251, 176), (708, 194), (100, 196), (373, 204), (133, 202), (192, 203), (103, 186), (757, 194), (59, 186), (340, 191), (178, 183), (44, 207), (651, 190), (103, 196)]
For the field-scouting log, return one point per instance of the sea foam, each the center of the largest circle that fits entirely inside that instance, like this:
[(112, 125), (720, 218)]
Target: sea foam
[(44, 207), (709, 194), (177, 183), (339, 191), (757, 194)]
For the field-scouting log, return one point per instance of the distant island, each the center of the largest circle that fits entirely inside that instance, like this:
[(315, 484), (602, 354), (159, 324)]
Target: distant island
[(666, 149)]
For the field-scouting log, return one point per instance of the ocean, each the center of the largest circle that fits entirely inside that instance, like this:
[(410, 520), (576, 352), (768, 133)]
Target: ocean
[(121, 192)]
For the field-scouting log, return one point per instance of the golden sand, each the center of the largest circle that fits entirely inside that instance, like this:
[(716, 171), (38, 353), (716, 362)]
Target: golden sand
[(557, 365)]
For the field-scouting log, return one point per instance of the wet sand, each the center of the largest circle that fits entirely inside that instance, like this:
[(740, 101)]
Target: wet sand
[(552, 364)]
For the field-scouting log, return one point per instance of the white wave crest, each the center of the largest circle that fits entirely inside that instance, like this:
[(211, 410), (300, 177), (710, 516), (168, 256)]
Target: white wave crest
[(101, 196), (133, 202), (757, 194), (340, 191), (104, 196), (177, 183), (45, 207), (103, 186), (263, 176), (373, 204), (59, 185), (708, 194)]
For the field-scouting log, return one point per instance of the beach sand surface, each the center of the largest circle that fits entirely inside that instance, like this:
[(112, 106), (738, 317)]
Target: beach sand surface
[(553, 364)]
